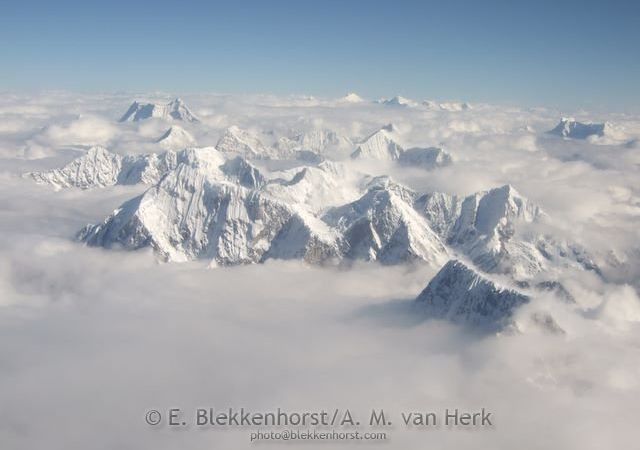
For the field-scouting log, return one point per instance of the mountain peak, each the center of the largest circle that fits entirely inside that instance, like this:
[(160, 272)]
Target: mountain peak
[(352, 97), (499, 207), (174, 110), (398, 100), (176, 138), (242, 142), (461, 295), (568, 127), (379, 145)]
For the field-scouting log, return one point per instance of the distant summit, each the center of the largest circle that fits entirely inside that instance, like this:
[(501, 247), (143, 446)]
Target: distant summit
[(175, 110), (352, 97), (398, 101), (571, 128), (382, 145)]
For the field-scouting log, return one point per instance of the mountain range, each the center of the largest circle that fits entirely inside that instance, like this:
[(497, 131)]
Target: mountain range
[(223, 205), (335, 213)]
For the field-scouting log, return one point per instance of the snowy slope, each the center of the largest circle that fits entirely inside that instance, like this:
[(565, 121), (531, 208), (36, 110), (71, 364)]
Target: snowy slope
[(319, 141), (485, 227), (176, 138), (379, 145), (316, 188), (383, 226), (382, 145), (241, 142), (100, 168)]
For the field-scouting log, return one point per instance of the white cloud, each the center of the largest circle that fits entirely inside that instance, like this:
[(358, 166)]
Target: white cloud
[(91, 338)]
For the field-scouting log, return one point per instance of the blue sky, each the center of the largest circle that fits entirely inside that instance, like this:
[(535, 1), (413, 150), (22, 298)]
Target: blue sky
[(537, 52)]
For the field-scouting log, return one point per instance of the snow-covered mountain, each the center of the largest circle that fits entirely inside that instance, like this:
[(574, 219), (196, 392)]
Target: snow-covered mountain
[(99, 167), (319, 141), (570, 128), (425, 158), (174, 110), (398, 101), (379, 145), (241, 142), (486, 227), (176, 138), (226, 211), (383, 226), (315, 188), (219, 214), (351, 97), (462, 295), (368, 219)]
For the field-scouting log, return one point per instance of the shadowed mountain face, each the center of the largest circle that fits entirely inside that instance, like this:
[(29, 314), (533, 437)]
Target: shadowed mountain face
[(570, 128), (461, 295)]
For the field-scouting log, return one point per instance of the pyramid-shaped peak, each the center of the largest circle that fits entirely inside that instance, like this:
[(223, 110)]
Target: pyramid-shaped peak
[(461, 295), (176, 138), (379, 145)]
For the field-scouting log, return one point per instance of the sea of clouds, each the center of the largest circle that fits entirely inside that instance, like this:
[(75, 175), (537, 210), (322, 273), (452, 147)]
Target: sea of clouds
[(90, 339)]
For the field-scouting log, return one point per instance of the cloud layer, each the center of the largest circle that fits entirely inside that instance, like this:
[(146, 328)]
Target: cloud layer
[(91, 339)]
